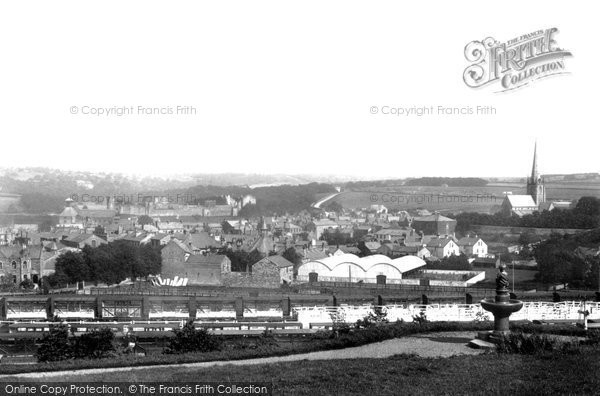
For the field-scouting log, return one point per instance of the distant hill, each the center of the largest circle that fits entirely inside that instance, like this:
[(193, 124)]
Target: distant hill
[(447, 181), (43, 191)]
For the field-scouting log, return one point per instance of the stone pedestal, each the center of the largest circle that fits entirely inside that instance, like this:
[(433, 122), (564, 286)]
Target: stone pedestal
[(501, 307)]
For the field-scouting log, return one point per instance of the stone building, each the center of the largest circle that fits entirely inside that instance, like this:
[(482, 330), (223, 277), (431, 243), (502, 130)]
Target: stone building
[(441, 247), (206, 270), (434, 224), (19, 263)]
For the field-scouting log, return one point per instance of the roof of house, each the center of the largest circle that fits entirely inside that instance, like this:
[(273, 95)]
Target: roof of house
[(521, 201), (394, 231), (201, 240), (345, 249), (97, 213), (312, 253), (9, 251), (372, 246), (264, 244), (324, 223), (136, 238), (468, 241), (439, 242), (160, 236), (278, 260), (180, 244), (78, 238), (69, 211), (434, 217)]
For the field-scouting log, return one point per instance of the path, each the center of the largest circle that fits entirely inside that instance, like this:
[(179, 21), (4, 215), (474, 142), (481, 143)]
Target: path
[(322, 201), (429, 345)]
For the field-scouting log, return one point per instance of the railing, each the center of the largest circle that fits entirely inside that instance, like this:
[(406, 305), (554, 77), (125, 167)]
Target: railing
[(568, 310)]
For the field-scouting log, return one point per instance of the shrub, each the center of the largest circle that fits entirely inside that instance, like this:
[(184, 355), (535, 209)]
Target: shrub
[(421, 318), (58, 345), (529, 344), (190, 339), (55, 345), (96, 344), (375, 318)]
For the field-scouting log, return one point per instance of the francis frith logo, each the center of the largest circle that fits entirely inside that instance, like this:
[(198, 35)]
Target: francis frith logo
[(516, 62)]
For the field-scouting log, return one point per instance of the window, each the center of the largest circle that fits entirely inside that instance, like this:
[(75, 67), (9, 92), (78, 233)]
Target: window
[(14, 265)]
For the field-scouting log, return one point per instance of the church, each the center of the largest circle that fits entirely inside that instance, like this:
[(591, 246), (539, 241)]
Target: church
[(534, 199)]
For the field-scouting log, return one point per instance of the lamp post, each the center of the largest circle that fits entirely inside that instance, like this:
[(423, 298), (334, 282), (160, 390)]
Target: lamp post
[(513, 276)]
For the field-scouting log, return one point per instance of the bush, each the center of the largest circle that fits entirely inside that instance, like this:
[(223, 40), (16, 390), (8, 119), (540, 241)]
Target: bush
[(96, 344), (190, 339), (55, 346), (526, 344), (375, 318), (421, 318)]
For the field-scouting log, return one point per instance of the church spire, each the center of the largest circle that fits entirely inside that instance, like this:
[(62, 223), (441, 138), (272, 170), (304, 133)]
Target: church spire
[(535, 184), (534, 169)]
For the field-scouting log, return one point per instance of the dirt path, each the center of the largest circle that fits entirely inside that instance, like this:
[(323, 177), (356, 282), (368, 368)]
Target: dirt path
[(425, 345)]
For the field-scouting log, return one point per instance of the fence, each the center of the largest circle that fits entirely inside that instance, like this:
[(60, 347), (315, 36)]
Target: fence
[(568, 310)]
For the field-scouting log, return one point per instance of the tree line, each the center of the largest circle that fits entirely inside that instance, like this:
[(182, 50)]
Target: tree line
[(559, 261), (585, 215), (111, 263)]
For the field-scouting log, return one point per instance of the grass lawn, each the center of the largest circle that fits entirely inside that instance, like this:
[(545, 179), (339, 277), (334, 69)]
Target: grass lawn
[(520, 275), (481, 374)]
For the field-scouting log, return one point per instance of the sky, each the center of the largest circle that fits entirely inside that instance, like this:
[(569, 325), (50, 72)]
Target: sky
[(288, 87)]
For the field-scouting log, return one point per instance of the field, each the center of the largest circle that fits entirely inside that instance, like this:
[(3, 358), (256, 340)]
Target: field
[(492, 373), (454, 199), (520, 275)]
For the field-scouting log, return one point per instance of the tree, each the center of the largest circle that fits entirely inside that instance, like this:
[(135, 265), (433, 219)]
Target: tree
[(190, 339), (27, 284), (73, 266), (334, 206), (144, 219), (588, 206), (150, 260), (7, 285), (96, 344), (127, 259), (254, 257), (55, 345), (101, 265), (292, 256), (364, 250)]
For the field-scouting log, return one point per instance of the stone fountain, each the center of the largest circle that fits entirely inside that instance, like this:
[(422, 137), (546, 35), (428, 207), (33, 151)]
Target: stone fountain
[(501, 307)]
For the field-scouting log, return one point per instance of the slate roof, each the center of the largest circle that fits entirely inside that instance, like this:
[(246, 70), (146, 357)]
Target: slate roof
[(264, 244), (201, 240), (468, 241), (434, 218), (279, 261), (521, 201), (439, 242)]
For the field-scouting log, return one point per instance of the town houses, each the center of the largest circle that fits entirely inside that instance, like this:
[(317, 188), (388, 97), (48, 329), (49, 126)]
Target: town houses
[(218, 241), (204, 247)]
